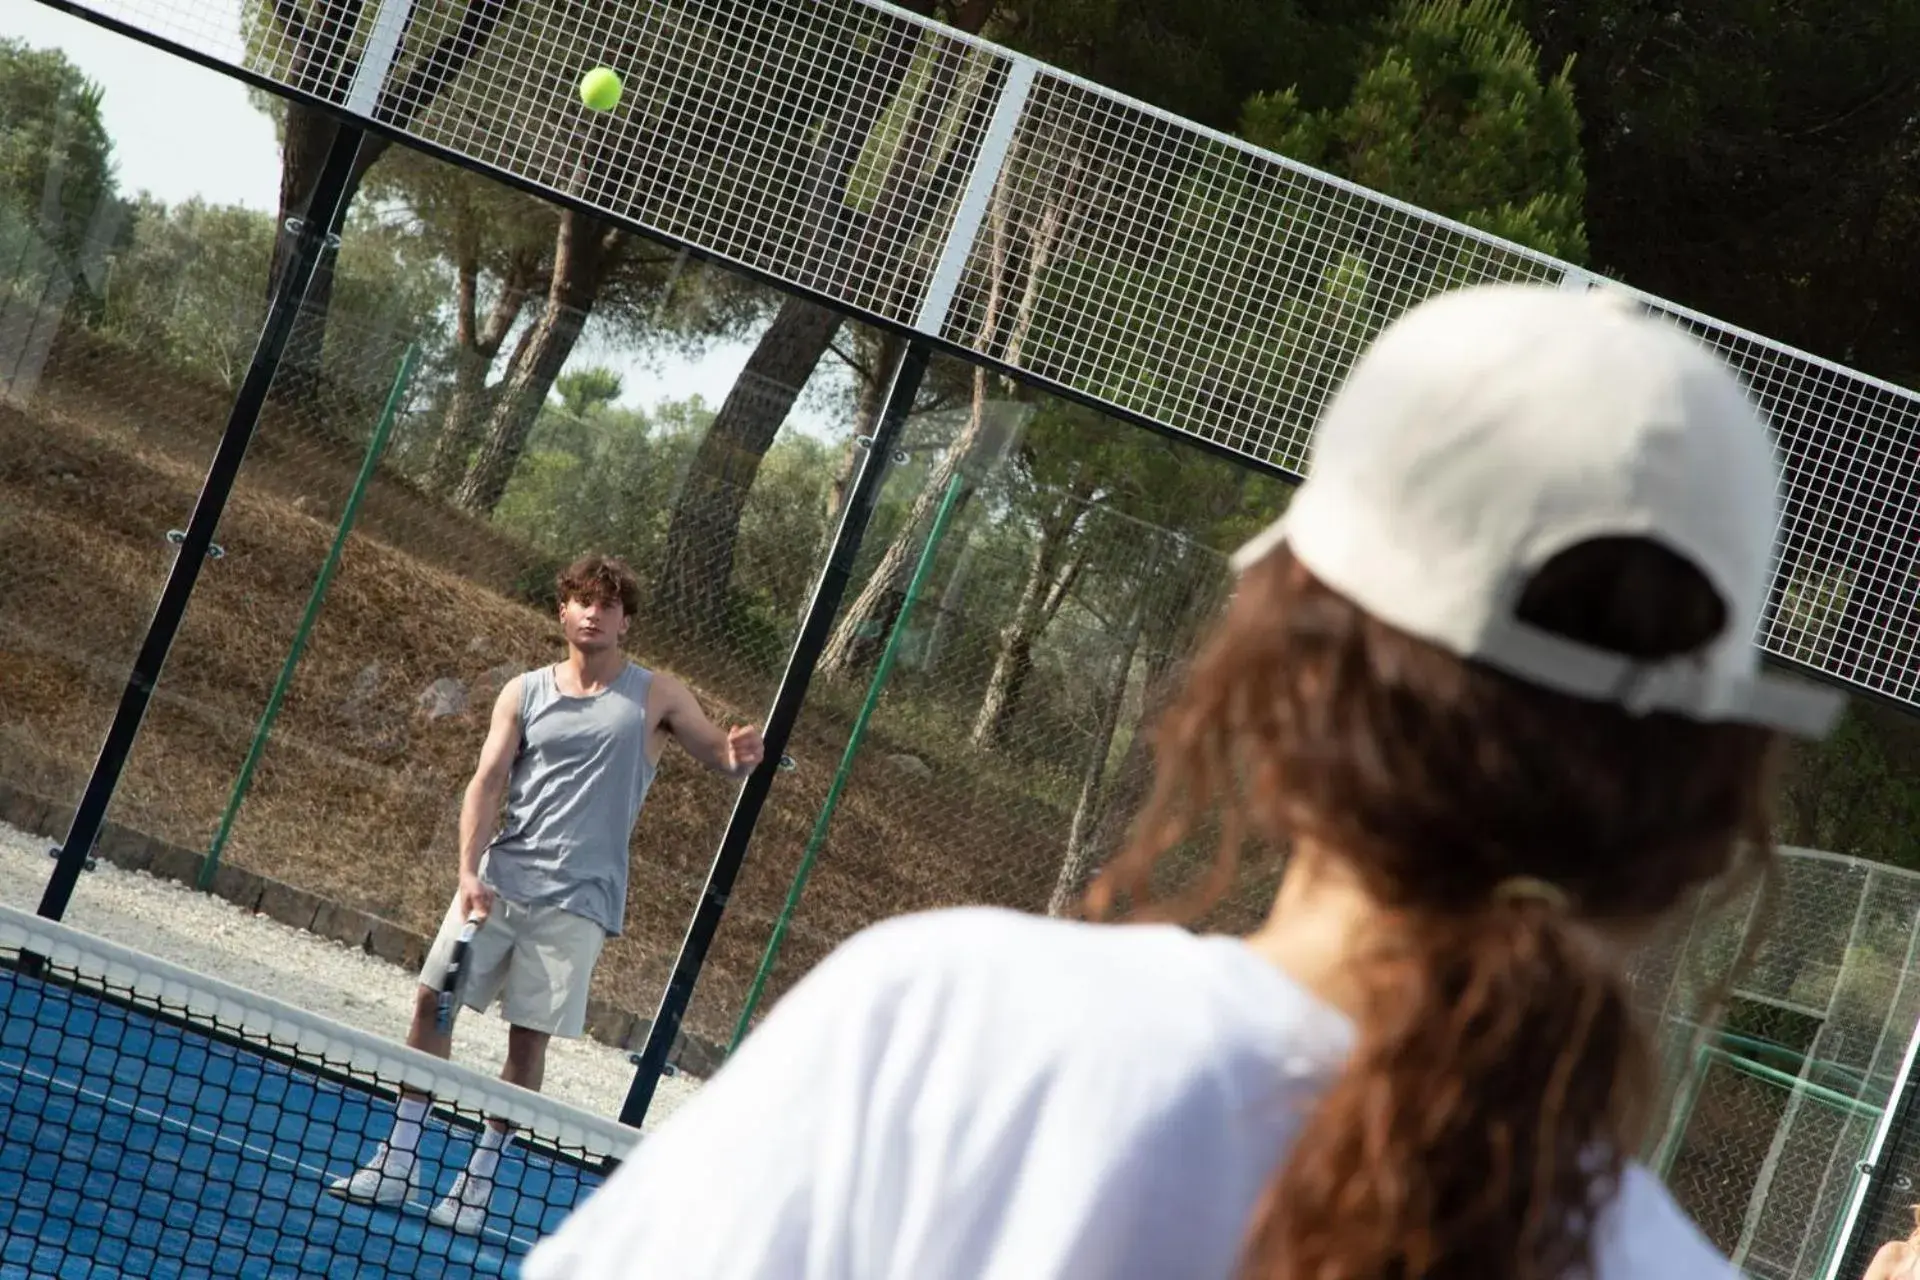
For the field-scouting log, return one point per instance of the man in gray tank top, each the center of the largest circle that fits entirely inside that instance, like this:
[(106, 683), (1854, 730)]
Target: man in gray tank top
[(567, 762)]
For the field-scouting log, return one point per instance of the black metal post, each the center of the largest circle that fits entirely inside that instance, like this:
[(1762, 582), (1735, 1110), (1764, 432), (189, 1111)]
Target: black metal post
[(313, 236), (815, 628)]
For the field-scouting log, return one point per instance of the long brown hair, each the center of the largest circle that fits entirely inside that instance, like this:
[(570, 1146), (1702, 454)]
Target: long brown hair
[(1499, 1078)]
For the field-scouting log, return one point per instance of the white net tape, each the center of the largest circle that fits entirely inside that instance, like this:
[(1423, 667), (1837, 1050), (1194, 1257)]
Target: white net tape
[(925, 179)]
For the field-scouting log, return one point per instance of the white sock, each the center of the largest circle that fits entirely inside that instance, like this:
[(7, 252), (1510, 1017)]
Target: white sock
[(487, 1152), (408, 1118)]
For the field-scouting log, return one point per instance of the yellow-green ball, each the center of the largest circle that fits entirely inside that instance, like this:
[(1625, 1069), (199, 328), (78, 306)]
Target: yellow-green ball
[(600, 89)]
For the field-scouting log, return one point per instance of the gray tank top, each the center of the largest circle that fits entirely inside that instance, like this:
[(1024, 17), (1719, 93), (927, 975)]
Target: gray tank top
[(573, 795)]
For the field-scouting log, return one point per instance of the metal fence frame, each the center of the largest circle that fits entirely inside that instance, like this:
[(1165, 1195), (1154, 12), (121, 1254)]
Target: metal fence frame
[(1803, 394)]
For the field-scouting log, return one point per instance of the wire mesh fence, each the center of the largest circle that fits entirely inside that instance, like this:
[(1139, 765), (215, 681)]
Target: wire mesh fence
[(1768, 1118), (983, 706), (929, 180)]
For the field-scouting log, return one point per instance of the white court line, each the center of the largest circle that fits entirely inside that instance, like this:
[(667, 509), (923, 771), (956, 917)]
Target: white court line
[(218, 1138)]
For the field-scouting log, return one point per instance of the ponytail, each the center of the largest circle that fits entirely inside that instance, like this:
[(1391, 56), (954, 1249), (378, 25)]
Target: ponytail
[(1499, 1078), (1496, 1088)]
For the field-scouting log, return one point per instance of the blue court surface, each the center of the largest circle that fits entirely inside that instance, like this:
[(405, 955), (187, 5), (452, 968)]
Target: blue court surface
[(133, 1146)]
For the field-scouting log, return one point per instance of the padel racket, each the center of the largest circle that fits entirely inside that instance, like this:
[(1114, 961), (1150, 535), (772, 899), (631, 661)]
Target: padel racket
[(449, 1000)]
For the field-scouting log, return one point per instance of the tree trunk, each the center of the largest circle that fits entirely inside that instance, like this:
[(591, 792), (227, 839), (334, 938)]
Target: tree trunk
[(857, 637), (1172, 612), (1083, 852), (323, 65), (475, 347), (861, 632), (1050, 574), (309, 134), (706, 518), (583, 251), (697, 566), (866, 416), (948, 617)]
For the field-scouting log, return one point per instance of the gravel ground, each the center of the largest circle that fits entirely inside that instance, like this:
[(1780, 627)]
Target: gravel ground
[(208, 935)]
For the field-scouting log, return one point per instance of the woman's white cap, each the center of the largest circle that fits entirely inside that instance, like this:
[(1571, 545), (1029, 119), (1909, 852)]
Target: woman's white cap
[(1491, 428)]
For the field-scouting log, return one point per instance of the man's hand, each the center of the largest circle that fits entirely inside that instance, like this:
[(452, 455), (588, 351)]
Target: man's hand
[(1894, 1262), (745, 749), (475, 898)]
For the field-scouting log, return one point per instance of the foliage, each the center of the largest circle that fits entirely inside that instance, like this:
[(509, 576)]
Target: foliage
[(1858, 792), (584, 391), (1452, 115), (1757, 161), (1199, 58), (189, 287), (56, 160), (601, 480)]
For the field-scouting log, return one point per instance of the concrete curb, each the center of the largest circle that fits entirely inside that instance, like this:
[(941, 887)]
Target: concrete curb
[(132, 850)]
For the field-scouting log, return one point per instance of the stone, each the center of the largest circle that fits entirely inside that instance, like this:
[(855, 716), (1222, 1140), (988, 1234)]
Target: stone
[(31, 814), (909, 764), (698, 1058), (396, 945), (134, 851), (171, 862), (342, 924), (238, 885), (609, 1024), (288, 905), (491, 681), (444, 697), (39, 817)]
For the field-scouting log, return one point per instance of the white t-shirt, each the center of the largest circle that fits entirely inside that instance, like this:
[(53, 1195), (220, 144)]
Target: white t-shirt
[(983, 1095)]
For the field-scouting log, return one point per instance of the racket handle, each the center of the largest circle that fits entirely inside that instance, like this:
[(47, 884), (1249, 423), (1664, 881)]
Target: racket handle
[(444, 1005)]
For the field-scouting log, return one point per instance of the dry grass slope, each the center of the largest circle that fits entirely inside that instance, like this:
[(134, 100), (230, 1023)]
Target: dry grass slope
[(356, 798)]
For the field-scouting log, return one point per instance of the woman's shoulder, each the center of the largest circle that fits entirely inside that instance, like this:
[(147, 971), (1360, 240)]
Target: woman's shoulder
[(984, 946), (1191, 1004)]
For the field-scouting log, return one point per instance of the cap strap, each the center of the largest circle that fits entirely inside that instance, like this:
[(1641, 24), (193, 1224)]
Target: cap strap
[(1677, 685)]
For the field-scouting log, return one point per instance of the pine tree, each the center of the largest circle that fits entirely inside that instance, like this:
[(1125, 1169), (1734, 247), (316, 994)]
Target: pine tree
[(1451, 114)]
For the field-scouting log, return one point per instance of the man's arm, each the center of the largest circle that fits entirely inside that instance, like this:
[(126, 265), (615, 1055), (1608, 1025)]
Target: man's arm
[(484, 793), (733, 752), (1895, 1261)]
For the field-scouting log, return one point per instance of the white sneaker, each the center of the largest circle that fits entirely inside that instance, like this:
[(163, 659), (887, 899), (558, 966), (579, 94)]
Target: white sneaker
[(464, 1208), (388, 1180)]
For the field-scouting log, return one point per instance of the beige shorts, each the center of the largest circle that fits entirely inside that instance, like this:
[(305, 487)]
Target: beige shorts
[(536, 961)]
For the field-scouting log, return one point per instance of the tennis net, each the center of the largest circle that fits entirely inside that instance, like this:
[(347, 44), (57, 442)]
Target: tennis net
[(159, 1122)]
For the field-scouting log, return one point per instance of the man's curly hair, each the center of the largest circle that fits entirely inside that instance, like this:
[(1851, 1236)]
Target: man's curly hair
[(599, 580)]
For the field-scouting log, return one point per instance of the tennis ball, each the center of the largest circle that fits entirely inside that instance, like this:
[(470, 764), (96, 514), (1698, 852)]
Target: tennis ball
[(600, 89)]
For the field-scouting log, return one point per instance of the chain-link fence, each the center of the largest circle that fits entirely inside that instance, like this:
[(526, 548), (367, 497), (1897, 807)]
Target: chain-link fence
[(387, 561), (1767, 1119), (979, 719), (308, 740)]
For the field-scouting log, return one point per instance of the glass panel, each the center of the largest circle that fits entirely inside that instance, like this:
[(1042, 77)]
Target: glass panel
[(975, 732), (103, 438)]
